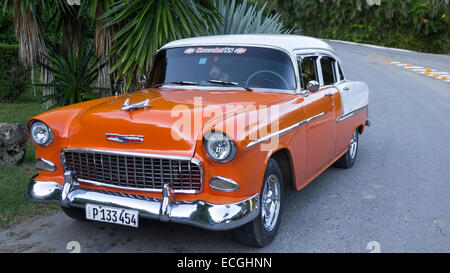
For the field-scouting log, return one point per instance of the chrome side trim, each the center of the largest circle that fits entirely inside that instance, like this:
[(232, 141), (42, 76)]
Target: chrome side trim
[(346, 116), (197, 213), (285, 130)]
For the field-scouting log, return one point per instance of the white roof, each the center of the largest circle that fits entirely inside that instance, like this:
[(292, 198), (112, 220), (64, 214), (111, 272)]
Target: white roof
[(287, 42)]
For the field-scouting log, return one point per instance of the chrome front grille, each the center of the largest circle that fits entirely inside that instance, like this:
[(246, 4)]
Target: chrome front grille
[(134, 171)]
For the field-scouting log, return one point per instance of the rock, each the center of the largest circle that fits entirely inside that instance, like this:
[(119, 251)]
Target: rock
[(13, 140)]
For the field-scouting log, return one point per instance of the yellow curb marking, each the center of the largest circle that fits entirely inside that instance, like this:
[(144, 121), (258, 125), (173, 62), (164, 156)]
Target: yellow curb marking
[(430, 72)]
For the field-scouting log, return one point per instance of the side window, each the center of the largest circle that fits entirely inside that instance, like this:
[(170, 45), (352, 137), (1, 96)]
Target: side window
[(328, 72), (308, 71)]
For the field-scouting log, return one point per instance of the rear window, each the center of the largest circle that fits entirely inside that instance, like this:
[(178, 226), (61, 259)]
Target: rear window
[(254, 67)]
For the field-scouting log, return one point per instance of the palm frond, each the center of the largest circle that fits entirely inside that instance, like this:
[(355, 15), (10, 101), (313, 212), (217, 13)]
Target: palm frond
[(244, 19), (146, 25), (75, 72)]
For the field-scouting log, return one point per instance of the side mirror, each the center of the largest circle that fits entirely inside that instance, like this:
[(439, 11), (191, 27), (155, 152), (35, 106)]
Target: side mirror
[(313, 86)]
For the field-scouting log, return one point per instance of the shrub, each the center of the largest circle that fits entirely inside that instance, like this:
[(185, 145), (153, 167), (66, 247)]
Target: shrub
[(14, 77), (75, 72), (413, 24), (238, 18), (6, 28)]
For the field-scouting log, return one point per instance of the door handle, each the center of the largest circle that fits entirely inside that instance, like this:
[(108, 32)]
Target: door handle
[(346, 88)]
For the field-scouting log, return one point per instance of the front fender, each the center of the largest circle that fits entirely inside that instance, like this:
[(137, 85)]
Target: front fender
[(59, 120)]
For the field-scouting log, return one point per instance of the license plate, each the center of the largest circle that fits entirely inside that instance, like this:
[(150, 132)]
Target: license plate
[(113, 215)]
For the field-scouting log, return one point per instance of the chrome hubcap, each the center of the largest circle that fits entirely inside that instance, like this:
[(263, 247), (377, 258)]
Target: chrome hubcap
[(270, 202), (353, 145)]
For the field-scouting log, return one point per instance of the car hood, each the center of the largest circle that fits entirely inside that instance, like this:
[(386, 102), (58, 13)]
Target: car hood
[(161, 123)]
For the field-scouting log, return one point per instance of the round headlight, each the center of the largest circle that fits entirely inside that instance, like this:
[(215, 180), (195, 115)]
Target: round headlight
[(40, 133), (219, 147)]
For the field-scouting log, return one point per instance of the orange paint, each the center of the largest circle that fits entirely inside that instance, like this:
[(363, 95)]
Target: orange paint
[(312, 147)]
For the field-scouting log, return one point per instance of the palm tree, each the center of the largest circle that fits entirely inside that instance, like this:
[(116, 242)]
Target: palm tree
[(27, 29), (146, 25), (103, 44)]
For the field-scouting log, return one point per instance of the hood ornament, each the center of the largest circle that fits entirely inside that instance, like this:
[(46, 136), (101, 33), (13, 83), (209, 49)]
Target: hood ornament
[(125, 138), (140, 105)]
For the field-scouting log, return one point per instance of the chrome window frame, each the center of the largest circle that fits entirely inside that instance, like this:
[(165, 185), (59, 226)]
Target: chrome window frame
[(320, 53)]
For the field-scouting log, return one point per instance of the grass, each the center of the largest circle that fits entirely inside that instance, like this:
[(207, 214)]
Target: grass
[(14, 207)]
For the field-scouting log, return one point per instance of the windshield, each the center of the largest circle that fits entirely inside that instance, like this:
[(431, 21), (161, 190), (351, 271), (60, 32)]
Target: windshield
[(248, 67)]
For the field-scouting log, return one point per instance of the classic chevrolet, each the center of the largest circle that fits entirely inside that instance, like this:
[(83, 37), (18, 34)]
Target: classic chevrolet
[(223, 126)]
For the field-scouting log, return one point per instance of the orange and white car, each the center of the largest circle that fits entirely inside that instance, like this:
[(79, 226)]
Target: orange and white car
[(222, 128)]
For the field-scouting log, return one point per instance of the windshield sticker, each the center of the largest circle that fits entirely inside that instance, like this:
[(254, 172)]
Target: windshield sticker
[(217, 50), (202, 60), (240, 50), (189, 50)]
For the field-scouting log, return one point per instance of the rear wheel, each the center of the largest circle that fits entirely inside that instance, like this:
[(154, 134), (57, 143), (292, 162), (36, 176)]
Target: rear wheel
[(261, 231), (75, 213), (349, 158)]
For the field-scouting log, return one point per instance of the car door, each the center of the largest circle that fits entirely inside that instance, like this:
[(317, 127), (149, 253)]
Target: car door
[(351, 97), (319, 110)]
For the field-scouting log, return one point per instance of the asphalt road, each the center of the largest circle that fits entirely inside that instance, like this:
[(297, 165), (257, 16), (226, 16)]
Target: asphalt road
[(396, 196)]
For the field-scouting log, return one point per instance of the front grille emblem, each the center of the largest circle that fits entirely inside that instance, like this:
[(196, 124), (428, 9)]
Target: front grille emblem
[(125, 138)]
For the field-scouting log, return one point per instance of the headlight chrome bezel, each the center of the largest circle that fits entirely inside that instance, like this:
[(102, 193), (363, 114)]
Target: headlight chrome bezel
[(50, 132), (232, 153)]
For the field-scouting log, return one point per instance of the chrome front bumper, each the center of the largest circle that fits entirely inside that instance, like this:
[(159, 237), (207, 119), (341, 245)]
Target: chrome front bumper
[(197, 213)]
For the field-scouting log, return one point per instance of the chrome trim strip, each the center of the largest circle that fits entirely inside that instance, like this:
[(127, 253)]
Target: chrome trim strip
[(285, 130), (197, 213), (92, 151), (100, 184), (95, 183), (352, 113)]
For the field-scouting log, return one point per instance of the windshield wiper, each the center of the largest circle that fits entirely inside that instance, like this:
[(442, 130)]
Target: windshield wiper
[(174, 82), (231, 84)]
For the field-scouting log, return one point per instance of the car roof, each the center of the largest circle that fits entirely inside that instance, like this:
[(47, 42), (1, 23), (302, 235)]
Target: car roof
[(289, 43)]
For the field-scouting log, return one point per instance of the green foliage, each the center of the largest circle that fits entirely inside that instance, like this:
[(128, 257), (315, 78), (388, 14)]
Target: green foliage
[(14, 206), (243, 19), (74, 75), (146, 25), (412, 24), (14, 76), (6, 29)]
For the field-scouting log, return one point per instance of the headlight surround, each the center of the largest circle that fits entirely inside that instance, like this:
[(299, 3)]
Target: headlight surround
[(40, 133), (219, 147)]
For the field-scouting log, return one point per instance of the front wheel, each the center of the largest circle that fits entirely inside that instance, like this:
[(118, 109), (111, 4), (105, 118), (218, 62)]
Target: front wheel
[(261, 231), (349, 158)]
